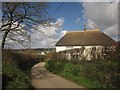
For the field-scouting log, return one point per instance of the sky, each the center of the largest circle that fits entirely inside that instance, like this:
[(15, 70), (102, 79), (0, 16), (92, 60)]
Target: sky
[(72, 16), (70, 12)]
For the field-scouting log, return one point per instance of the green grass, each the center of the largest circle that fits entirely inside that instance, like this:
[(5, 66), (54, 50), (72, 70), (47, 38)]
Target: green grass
[(82, 81), (16, 69), (15, 78), (70, 71), (93, 74)]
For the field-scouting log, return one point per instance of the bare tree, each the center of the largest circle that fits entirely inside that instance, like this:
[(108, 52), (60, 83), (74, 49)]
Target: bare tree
[(21, 17)]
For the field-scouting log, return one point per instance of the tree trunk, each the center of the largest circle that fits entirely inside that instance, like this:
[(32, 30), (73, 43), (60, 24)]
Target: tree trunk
[(4, 38)]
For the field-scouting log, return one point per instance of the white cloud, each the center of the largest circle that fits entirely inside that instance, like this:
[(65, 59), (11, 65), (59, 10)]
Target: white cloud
[(91, 24), (59, 22), (44, 39), (49, 35), (104, 15), (17, 39), (63, 33), (112, 31), (77, 20)]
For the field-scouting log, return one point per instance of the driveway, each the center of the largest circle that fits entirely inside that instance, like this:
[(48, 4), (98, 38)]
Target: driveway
[(42, 78)]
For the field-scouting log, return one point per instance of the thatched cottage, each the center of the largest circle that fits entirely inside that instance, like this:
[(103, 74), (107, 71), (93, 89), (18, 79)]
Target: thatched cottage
[(88, 41)]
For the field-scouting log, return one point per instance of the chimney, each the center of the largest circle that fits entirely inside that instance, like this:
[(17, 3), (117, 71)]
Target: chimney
[(84, 28)]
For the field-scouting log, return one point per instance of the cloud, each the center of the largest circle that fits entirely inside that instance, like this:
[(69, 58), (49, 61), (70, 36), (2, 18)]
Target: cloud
[(17, 39), (112, 31), (59, 22), (46, 37), (63, 33), (104, 15), (77, 20), (91, 24)]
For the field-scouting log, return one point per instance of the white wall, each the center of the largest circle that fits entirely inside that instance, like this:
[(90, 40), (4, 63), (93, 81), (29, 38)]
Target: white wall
[(60, 48), (76, 46)]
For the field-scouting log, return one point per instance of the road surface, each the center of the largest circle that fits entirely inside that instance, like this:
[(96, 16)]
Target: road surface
[(42, 78)]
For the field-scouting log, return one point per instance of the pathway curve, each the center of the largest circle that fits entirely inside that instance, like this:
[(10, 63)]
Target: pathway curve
[(42, 78)]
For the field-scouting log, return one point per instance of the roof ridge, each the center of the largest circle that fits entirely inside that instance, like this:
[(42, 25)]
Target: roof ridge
[(83, 31)]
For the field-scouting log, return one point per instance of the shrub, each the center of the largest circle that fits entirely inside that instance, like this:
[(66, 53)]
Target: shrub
[(24, 60), (55, 66), (71, 69)]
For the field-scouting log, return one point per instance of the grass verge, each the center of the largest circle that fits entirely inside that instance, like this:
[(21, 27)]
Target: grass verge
[(16, 69), (93, 75), (13, 77)]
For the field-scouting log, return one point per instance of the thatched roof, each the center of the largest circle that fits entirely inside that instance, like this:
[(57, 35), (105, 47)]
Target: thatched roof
[(85, 38)]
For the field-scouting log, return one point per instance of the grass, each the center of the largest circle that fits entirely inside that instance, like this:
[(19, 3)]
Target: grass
[(93, 74), (16, 77), (82, 81), (67, 70), (16, 68)]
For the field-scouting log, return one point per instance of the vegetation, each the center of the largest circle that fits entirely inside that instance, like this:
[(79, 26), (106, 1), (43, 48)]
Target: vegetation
[(13, 77), (16, 68), (91, 74)]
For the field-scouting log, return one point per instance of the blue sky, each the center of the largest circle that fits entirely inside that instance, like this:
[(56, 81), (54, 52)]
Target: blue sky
[(70, 11)]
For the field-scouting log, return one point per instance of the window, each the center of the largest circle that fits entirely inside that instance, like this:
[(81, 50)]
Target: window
[(93, 48)]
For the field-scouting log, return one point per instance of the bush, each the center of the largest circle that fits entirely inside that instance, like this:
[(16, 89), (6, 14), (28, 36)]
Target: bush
[(71, 69), (55, 66), (23, 59), (102, 71)]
